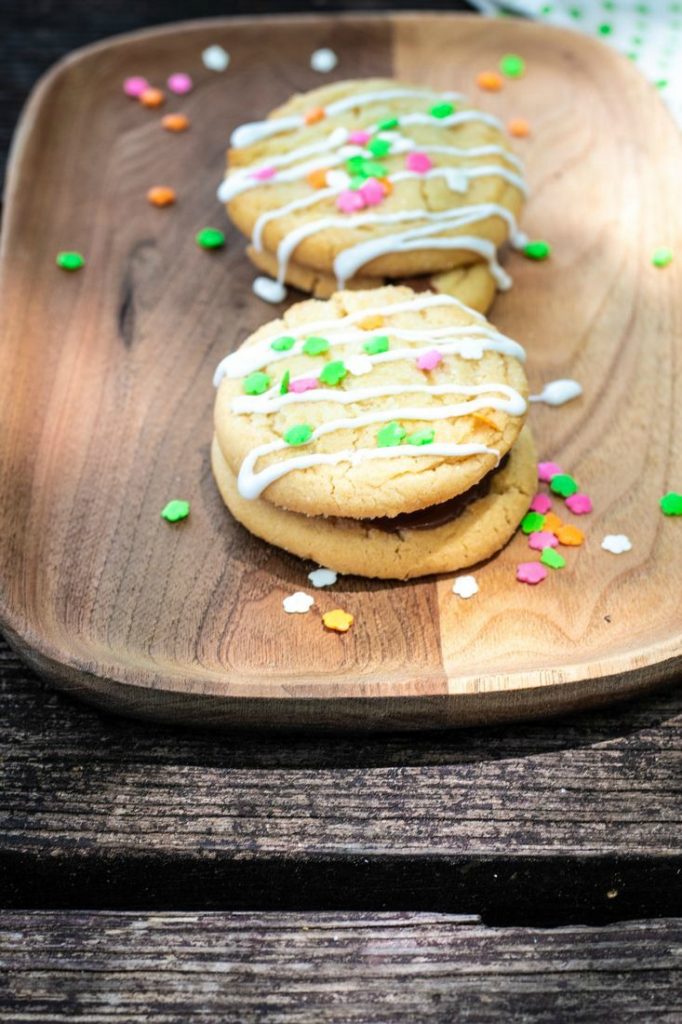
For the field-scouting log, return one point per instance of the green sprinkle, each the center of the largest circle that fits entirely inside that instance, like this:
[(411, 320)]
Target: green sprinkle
[(532, 521), (537, 250), (314, 346), (333, 373), (284, 386), (387, 124), (563, 484), (210, 238), (376, 345), (256, 383), (671, 504), (636, 40), (70, 260), (299, 434), (379, 147), (547, 9), (632, 56), (441, 110), (605, 29), (374, 170), (175, 511), (662, 257), (576, 13), (391, 434), (608, 5), (282, 344), (356, 182), (512, 65), (662, 83), (354, 164), (552, 558), (420, 437)]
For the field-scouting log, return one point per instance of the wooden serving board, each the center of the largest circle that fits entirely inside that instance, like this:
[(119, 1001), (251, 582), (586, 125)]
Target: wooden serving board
[(106, 394)]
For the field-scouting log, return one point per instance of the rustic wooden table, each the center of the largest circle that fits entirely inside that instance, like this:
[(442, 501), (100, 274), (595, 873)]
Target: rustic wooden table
[(524, 872)]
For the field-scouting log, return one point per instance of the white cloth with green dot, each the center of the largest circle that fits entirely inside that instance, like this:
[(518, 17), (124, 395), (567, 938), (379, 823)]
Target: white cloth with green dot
[(649, 33)]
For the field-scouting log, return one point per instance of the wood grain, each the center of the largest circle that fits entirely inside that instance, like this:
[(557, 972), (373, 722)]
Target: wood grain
[(315, 968), (105, 397)]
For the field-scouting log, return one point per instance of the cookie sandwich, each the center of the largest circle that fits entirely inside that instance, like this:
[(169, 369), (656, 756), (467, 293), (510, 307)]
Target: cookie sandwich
[(380, 433)]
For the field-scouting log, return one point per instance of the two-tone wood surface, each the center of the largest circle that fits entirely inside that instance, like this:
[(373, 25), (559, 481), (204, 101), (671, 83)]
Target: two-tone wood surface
[(105, 399)]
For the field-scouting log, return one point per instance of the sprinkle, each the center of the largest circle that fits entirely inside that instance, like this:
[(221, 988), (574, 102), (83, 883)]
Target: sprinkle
[(303, 384), (175, 122), (338, 620), (175, 510), (537, 250), (334, 372), (317, 178), (489, 80), (151, 97), (370, 323), (429, 360), (542, 539), (135, 86), (563, 484), (512, 65), (210, 238), (387, 185), (552, 522), (314, 346), (465, 587), (70, 260), (322, 577), (375, 346), (264, 173), (540, 503), (605, 29), (379, 147), (284, 383), (337, 179), (546, 470), (441, 110), (421, 437), (359, 137), (373, 169), (616, 543), (662, 257), (418, 162), (388, 124), (298, 603), (671, 504), (531, 572), (570, 536), (356, 182), (256, 383), (518, 127), (532, 522), (314, 115), (372, 192), (579, 504), (359, 365), (215, 58), (179, 83), (268, 290), (282, 344), (355, 164), (323, 60), (390, 435), (552, 558), (300, 433), (350, 202), (161, 195)]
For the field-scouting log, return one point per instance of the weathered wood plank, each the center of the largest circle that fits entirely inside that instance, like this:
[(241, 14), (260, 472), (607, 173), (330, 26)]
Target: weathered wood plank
[(317, 968)]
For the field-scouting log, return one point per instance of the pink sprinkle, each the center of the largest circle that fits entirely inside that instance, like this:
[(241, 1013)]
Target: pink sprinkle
[(350, 202), (546, 470), (359, 138), (429, 360), (542, 539), (419, 162), (264, 173), (372, 192), (135, 86), (303, 384), (180, 83), (579, 504), (540, 503), (531, 572)]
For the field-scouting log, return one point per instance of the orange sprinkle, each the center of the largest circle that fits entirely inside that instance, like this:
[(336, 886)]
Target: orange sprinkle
[(175, 122), (489, 80), (370, 323), (314, 115), (152, 97), (552, 522), (570, 535), (317, 178), (518, 127), (161, 195), (338, 620), (386, 185), (481, 417)]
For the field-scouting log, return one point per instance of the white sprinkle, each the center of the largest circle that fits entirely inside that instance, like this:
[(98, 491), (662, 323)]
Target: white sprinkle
[(323, 60), (298, 603), (359, 365), (215, 58), (268, 290), (337, 179), (616, 543), (557, 392), (322, 577), (465, 586)]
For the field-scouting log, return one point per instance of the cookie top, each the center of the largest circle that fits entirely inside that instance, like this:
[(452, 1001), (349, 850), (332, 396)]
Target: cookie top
[(369, 404), (375, 177)]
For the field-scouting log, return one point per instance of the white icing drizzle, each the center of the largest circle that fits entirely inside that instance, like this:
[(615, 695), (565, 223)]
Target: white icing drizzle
[(268, 290), (558, 392)]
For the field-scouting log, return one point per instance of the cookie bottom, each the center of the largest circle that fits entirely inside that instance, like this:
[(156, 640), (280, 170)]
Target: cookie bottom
[(352, 547), (473, 284)]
